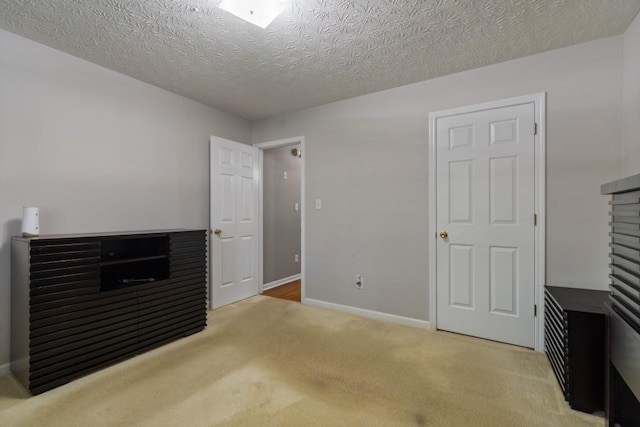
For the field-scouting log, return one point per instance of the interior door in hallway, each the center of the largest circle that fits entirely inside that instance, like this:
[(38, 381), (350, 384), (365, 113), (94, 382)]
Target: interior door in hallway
[(485, 222), (235, 204)]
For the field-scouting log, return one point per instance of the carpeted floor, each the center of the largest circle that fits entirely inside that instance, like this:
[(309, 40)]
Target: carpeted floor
[(270, 362)]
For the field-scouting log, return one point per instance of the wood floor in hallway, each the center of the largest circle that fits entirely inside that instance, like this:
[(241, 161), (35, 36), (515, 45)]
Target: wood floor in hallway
[(289, 291)]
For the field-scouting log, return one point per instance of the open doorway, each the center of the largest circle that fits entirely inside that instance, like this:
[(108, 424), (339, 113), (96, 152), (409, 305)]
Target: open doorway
[(281, 218)]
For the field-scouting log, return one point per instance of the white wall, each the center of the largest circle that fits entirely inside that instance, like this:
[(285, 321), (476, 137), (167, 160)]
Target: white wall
[(96, 151), (366, 158), (631, 99)]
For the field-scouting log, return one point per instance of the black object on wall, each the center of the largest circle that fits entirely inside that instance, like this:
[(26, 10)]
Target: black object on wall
[(83, 302), (574, 335), (623, 361)]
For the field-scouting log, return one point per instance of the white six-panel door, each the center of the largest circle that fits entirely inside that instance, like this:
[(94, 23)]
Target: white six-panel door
[(235, 203), (485, 204)]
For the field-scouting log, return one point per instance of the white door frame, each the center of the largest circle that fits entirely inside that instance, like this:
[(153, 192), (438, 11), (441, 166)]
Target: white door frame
[(539, 101), (303, 259)]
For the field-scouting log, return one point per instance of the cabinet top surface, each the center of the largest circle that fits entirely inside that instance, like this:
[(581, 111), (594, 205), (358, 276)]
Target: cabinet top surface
[(104, 234), (623, 185), (584, 300)]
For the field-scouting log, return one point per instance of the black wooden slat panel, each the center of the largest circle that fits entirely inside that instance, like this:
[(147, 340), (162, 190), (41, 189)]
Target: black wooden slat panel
[(49, 385), (93, 273), (53, 324), (152, 288), (81, 302), (194, 298), (626, 207), (188, 237), (554, 303), (628, 237), (630, 288), (76, 327), (177, 327), (86, 366), (629, 316), (188, 251), (193, 267), (556, 338), (152, 322), (169, 294), (39, 247), (559, 353), (88, 335), (62, 267), (66, 358), (631, 300), (624, 250), (187, 245), (64, 272), (631, 195), (559, 360), (560, 376), (151, 317), (67, 286), (86, 310), (560, 340), (620, 217), (556, 315), (628, 277), (82, 341), (61, 256), (187, 275), (630, 265), (65, 294)]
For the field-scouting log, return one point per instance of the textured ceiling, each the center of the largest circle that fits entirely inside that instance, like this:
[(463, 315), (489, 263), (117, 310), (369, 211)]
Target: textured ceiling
[(316, 52)]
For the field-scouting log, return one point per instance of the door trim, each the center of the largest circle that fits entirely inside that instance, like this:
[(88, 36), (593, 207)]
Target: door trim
[(539, 101), (303, 258)]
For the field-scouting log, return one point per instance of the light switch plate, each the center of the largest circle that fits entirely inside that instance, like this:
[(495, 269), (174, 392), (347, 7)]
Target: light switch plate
[(318, 203)]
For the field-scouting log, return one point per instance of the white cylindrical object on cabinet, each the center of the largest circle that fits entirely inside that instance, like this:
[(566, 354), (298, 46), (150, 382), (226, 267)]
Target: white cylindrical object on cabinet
[(30, 222)]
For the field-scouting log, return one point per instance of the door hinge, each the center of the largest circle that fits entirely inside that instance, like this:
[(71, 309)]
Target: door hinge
[(535, 128), (535, 219), (535, 310)]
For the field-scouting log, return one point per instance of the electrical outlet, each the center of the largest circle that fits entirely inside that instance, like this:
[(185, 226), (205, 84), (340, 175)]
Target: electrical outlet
[(318, 203), (284, 175), (359, 281), (296, 258), (296, 207)]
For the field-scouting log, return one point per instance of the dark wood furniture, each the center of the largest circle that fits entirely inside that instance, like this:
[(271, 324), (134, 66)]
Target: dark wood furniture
[(623, 361), (574, 335), (82, 302)]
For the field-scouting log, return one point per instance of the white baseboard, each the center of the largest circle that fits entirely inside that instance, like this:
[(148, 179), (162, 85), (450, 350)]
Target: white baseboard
[(277, 283), (408, 321), (5, 369)]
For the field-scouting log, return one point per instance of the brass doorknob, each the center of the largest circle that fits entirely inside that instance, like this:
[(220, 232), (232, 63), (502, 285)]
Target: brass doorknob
[(444, 234), (217, 232)]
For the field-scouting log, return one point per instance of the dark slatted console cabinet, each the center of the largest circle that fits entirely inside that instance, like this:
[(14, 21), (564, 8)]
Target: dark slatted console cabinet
[(574, 338), (623, 363), (83, 302)]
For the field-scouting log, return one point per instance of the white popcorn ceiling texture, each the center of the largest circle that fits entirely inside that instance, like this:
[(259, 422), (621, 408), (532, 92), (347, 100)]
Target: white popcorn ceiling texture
[(316, 52)]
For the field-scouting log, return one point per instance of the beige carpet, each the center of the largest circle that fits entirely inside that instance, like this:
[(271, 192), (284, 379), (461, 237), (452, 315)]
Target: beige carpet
[(270, 362)]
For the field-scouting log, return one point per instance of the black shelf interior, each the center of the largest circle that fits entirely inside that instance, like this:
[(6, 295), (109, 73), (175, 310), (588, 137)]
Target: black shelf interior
[(133, 260)]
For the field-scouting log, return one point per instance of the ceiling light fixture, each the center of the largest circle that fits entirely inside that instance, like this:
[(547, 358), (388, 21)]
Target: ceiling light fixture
[(257, 12)]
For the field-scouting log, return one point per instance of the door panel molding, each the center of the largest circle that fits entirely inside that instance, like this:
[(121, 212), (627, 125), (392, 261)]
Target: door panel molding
[(234, 195), (499, 133)]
